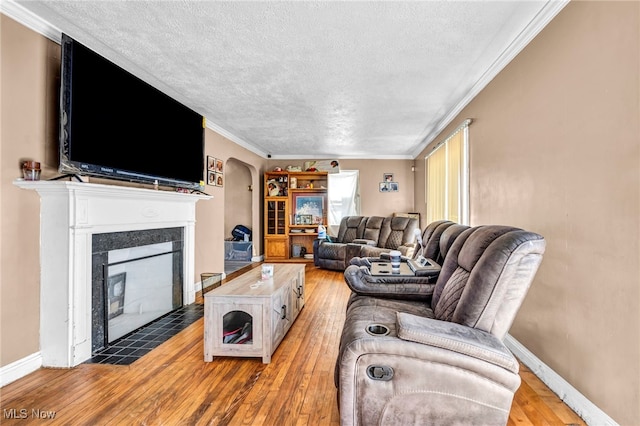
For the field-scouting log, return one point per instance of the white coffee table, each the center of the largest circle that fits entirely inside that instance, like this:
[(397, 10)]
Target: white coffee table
[(248, 316)]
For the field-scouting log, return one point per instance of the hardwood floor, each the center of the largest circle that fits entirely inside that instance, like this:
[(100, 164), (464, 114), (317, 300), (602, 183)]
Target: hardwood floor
[(172, 385)]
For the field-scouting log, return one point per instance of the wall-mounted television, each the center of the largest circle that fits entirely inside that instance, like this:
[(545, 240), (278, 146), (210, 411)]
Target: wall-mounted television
[(115, 125)]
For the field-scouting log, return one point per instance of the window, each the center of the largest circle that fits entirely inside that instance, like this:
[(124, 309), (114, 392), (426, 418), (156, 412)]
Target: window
[(344, 197), (447, 178)]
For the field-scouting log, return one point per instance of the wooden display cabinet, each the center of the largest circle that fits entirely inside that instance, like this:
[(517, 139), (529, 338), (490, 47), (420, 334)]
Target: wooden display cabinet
[(295, 204)]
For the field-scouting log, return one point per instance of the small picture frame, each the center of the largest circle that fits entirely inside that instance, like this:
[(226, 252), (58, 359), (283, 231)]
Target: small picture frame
[(219, 166), (387, 177), (304, 219), (211, 163), (219, 179), (388, 187), (211, 178)]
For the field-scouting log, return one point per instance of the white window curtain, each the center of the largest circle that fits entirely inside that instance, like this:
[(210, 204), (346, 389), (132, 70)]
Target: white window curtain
[(447, 178), (344, 197)]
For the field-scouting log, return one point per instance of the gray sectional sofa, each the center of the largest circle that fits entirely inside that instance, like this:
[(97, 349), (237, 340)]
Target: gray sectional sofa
[(365, 236)]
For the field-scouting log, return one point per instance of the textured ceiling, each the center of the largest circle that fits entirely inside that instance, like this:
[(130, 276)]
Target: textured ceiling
[(316, 79)]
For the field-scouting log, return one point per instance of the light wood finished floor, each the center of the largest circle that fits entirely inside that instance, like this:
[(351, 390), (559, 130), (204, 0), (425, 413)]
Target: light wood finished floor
[(172, 385)]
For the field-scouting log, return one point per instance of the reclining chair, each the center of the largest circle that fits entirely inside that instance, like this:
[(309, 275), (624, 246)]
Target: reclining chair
[(334, 254), (442, 362)]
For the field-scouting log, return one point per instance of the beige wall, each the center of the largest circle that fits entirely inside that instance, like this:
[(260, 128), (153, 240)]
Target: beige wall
[(373, 202), (28, 114), (212, 215), (555, 148), (238, 195)]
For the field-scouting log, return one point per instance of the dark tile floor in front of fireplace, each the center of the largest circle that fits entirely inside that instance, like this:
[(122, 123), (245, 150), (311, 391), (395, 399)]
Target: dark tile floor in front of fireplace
[(140, 342)]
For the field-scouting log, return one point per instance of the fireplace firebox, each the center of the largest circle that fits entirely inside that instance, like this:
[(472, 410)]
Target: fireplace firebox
[(136, 278)]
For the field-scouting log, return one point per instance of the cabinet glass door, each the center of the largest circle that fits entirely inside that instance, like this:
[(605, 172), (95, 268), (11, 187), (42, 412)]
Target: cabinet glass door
[(276, 217)]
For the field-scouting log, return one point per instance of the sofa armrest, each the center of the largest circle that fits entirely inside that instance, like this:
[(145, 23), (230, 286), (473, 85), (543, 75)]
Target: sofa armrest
[(407, 250), (456, 337), (360, 281), (316, 244)]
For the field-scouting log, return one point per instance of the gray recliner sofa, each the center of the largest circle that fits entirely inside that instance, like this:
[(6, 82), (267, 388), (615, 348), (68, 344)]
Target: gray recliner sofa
[(365, 236), (442, 360)]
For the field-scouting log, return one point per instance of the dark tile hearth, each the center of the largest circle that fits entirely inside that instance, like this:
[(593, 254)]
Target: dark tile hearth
[(140, 342)]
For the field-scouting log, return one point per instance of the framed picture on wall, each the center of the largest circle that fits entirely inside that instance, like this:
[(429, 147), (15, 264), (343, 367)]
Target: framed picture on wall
[(388, 187), (211, 177), (219, 166), (211, 163), (219, 179), (387, 177)]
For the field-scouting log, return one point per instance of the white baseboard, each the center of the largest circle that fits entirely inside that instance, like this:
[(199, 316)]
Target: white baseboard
[(587, 410), (20, 368)]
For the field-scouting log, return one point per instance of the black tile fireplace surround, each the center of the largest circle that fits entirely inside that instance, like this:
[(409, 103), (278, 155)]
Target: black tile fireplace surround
[(102, 244), (135, 345)]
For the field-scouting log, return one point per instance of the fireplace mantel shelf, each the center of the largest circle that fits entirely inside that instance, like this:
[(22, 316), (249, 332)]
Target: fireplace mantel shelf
[(70, 213), (105, 190)]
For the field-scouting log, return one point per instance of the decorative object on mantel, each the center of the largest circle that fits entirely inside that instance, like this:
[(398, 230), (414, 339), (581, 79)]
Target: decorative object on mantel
[(294, 168), (31, 170), (329, 166)]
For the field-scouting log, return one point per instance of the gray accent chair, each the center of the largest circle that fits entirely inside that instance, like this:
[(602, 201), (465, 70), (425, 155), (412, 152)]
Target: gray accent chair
[(333, 254), (442, 361)]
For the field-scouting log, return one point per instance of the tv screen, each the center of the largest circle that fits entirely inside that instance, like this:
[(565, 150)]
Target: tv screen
[(114, 125)]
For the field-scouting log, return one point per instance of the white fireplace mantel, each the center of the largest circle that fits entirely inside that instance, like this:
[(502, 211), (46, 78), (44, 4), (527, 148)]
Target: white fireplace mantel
[(70, 213)]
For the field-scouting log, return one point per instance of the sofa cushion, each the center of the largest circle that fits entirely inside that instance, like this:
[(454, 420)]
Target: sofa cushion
[(351, 227), (397, 231), (431, 240), (487, 270), (372, 228)]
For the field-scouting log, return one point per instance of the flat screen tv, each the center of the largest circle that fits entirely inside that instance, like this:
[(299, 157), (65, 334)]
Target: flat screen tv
[(114, 125)]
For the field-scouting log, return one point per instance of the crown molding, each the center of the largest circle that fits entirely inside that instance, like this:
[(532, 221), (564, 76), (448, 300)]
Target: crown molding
[(546, 14), (27, 18), (235, 139)]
